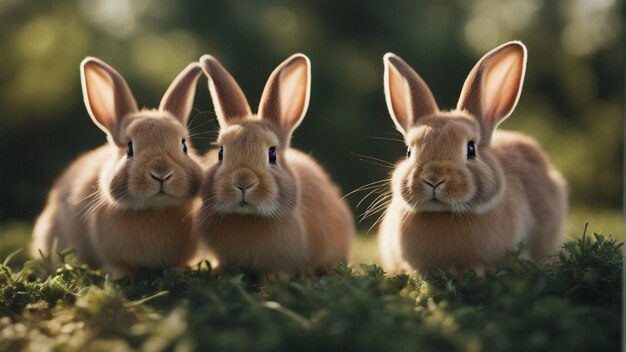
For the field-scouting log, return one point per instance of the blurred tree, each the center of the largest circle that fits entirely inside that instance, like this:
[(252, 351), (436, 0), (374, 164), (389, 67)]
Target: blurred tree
[(572, 100)]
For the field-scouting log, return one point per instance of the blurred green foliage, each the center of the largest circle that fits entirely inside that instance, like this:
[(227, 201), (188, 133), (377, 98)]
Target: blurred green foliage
[(572, 100)]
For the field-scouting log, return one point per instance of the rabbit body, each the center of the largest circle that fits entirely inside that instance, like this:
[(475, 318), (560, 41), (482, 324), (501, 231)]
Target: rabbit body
[(128, 203), (292, 242), (269, 208), (467, 195), (126, 237), (422, 241)]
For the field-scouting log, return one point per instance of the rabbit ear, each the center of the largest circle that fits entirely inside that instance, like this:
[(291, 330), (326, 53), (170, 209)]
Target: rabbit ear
[(492, 89), (408, 96), (178, 99), (286, 95), (107, 96), (229, 101)]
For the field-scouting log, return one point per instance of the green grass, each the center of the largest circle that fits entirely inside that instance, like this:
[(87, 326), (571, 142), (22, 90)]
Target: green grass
[(572, 304), (606, 221)]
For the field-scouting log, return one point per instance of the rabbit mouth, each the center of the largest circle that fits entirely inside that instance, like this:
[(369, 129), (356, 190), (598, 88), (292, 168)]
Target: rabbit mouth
[(156, 200), (432, 204), (161, 192), (243, 207), (164, 196), (435, 204)]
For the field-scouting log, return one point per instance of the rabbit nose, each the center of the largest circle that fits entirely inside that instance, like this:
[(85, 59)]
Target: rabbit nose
[(244, 180), (244, 188), (161, 175), (434, 182)]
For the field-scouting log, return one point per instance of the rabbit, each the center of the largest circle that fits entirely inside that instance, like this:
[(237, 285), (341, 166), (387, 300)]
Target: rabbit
[(268, 208), (466, 195), (128, 203)]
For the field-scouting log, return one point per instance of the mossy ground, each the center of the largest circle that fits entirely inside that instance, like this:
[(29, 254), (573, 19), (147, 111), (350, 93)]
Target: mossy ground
[(573, 303)]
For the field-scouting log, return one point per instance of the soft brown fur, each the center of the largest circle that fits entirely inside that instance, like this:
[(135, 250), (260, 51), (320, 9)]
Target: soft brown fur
[(286, 217), (448, 211), (112, 208)]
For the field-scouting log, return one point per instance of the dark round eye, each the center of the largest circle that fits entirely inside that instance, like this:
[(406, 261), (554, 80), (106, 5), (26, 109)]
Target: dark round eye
[(129, 151), (184, 146), (272, 155), (408, 152), (220, 155), (471, 150)]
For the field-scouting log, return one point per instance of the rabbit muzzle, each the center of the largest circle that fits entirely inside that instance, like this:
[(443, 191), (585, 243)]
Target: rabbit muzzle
[(436, 186), (245, 181)]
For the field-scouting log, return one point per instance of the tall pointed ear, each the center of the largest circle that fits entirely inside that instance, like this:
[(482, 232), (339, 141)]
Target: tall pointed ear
[(107, 96), (228, 100), (286, 95), (408, 96), (178, 99), (492, 89)]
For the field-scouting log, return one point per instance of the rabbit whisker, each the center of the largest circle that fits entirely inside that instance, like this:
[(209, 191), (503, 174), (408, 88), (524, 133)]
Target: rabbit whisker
[(388, 139), (381, 202), (375, 161), (377, 222), (375, 184)]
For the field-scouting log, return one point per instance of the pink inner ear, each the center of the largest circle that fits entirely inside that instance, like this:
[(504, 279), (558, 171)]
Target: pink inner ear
[(399, 93), (100, 94), (501, 86), (293, 85)]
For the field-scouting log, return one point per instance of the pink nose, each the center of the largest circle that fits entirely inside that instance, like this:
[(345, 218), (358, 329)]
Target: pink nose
[(434, 182), (244, 188), (161, 176), (244, 180)]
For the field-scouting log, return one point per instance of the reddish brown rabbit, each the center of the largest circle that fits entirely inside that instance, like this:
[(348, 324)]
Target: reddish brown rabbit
[(128, 203), (466, 194), (269, 208)]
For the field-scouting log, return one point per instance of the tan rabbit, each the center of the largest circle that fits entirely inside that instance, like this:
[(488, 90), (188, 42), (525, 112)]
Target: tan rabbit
[(128, 203), (466, 194), (268, 208)]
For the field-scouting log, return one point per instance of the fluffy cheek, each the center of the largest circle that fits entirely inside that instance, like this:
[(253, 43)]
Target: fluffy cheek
[(404, 186), (140, 184), (209, 187), (287, 191), (184, 182), (488, 177), (225, 193), (459, 186), (266, 192), (115, 181), (194, 178)]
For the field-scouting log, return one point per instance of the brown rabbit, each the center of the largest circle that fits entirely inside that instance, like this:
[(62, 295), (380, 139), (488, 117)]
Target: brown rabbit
[(128, 203), (466, 194), (268, 208)]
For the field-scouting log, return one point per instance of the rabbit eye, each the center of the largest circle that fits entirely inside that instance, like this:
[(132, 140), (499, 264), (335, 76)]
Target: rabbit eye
[(471, 150), (272, 155), (129, 150), (408, 152), (220, 155), (184, 146)]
